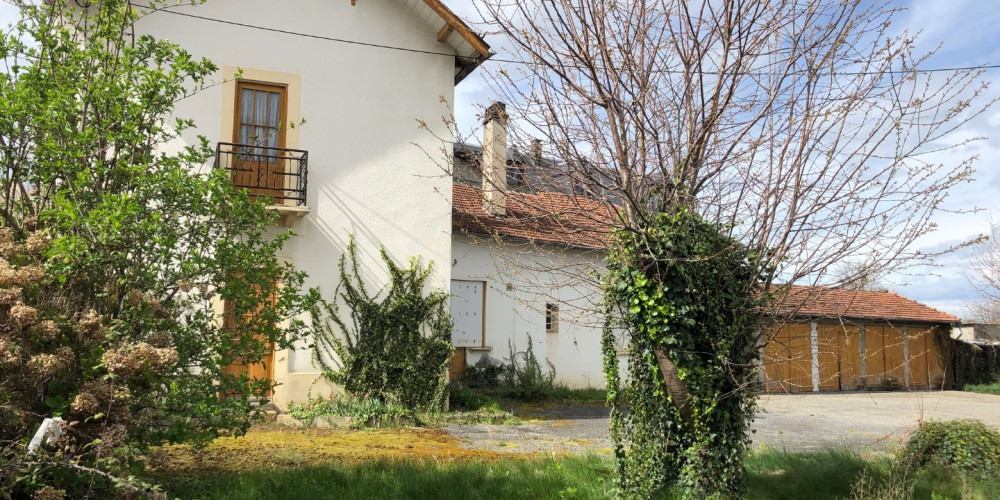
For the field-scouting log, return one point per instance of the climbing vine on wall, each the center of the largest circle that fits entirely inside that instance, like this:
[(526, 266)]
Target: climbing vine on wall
[(683, 294), (392, 346)]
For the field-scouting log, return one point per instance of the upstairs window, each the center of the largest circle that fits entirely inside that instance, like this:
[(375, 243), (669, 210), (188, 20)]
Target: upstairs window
[(260, 115)]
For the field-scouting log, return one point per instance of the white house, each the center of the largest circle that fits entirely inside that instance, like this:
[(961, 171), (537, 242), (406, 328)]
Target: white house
[(364, 75), (524, 255)]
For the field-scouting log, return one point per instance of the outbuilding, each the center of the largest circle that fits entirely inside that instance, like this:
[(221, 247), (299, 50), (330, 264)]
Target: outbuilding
[(829, 339)]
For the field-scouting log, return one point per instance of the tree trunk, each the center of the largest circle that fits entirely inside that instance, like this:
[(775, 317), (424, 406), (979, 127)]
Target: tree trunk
[(676, 388)]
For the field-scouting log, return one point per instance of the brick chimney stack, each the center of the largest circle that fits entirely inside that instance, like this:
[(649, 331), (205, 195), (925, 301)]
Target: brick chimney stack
[(495, 160)]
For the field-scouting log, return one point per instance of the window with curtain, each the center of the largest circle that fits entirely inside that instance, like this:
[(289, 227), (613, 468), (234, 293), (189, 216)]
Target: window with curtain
[(260, 115)]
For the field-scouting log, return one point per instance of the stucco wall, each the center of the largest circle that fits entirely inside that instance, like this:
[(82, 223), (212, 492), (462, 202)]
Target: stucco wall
[(361, 106), (520, 280)]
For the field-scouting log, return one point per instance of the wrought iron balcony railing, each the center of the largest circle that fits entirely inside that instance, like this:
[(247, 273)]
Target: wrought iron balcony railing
[(279, 173)]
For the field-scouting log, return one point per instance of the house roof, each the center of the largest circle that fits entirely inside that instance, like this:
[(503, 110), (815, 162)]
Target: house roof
[(470, 49), (546, 217), (822, 302)]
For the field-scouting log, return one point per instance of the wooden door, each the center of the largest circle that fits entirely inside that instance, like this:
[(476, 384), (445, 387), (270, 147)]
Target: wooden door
[(456, 370), (259, 370), (918, 338), (850, 359), (260, 120), (935, 361), (828, 343), (788, 358), (895, 370), (874, 357)]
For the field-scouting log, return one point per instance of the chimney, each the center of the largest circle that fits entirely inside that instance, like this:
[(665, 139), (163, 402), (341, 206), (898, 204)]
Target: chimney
[(495, 159), (536, 151)]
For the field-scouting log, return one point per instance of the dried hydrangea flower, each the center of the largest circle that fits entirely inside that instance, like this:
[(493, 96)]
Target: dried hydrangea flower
[(47, 330), (85, 403), (10, 296), (22, 315)]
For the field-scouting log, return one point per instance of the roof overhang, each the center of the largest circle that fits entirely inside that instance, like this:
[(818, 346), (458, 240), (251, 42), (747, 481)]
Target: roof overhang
[(470, 49)]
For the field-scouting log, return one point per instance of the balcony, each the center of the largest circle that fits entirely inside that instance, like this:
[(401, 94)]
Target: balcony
[(276, 173)]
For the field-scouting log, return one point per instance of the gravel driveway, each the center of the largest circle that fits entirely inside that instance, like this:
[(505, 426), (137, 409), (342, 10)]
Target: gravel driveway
[(865, 422)]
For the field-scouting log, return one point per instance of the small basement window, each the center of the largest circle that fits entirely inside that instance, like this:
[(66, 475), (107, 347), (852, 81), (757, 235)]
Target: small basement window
[(551, 318)]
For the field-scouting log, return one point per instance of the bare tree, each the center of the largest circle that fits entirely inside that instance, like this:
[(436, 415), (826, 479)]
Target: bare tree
[(985, 274), (805, 127)]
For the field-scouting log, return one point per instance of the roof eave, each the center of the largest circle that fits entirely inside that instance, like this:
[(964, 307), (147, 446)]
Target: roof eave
[(480, 51)]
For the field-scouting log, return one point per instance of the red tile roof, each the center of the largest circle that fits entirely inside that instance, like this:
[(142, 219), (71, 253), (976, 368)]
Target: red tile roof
[(543, 217), (822, 302)]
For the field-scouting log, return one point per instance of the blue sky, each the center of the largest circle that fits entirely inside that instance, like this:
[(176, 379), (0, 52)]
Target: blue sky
[(965, 30)]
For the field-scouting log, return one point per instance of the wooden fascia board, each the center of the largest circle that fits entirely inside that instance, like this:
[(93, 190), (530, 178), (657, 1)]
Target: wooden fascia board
[(458, 25)]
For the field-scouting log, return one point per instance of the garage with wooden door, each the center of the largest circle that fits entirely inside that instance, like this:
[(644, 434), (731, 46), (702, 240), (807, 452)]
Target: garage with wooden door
[(827, 339)]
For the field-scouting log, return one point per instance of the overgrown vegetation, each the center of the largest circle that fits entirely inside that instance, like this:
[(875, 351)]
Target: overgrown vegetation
[(971, 364), (683, 293), (964, 447), (993, 388), (393, 347), (771, 474), (364, 413), (522, 379), (115, 254)]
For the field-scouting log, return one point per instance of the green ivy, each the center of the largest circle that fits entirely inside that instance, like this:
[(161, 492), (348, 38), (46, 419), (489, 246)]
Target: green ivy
[(394, 347), (682, 294), (967, 447)]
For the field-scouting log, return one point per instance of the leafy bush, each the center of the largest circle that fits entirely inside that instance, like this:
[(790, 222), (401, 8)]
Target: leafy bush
[(395, 347), (964, 446), (484, 374), (370, 412), (993, 388), (466, 399), (525, 378)]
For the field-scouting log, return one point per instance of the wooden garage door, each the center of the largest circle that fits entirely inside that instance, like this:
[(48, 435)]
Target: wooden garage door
[(935, 368), (788, 359), (874, 356), (918, 338), (839, 357), (895, 369), (828, 354)]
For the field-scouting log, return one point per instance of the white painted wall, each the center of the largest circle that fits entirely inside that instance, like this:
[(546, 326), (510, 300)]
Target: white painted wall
[(366, 176), (517, 313)]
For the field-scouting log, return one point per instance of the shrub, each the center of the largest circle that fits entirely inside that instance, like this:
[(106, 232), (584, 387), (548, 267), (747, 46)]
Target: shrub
[(364, 413), (526, 379), (963, 446), (484, 374), (465, 399), (395, 346)]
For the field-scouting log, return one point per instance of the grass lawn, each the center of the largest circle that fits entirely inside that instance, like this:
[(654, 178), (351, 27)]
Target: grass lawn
[(993, 388), (429, 464)]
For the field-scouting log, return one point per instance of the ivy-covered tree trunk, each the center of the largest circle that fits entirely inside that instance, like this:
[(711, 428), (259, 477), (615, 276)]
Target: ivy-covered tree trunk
[(681, 292)]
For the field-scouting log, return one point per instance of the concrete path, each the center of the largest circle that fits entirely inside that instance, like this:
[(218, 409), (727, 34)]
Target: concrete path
[(864, 422)]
